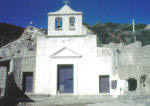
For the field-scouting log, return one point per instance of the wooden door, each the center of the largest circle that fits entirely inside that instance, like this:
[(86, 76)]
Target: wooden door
[(28, 82), (65, 79), (104, 84)]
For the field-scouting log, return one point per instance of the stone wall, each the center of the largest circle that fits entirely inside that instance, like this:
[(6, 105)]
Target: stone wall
[(23, 47), (21, 57), (134, 62), (28, 64), (3, 74)]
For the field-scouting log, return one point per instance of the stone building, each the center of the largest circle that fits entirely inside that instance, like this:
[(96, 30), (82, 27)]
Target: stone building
[(132, 64), (67, 60)]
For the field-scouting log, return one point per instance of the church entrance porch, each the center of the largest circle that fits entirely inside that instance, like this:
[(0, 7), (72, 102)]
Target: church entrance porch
[(65, 78)]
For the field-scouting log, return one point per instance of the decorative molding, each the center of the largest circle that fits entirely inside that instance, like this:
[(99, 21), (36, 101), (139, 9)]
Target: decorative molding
[(66, 53)]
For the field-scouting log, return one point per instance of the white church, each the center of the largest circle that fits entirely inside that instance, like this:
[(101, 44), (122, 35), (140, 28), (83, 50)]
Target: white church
[(67, 60)]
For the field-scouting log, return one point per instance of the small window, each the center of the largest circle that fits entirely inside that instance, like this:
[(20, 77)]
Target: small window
[(72, 22), (58, 23), (114, 84)]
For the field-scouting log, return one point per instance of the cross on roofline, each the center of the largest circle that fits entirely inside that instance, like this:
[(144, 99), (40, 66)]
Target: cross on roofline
[(66, 2)]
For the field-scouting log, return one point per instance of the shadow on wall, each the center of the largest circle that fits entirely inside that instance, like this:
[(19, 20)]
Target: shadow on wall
[(13, 95)]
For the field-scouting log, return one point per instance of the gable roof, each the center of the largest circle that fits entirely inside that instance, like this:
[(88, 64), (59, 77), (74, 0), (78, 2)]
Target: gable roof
[(65, 10)]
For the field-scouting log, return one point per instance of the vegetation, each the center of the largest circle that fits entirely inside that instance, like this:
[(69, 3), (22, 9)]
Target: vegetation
[(106, 33), (116, 33), (9, 33)]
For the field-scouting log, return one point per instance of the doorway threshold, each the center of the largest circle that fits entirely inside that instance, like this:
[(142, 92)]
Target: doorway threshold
[(65, 94)]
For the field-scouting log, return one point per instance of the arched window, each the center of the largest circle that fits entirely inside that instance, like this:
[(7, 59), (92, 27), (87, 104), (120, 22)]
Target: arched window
[(72, 22), (58, 23)]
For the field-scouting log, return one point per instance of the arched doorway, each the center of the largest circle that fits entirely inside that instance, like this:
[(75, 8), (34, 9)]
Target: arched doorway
[(132, 84)]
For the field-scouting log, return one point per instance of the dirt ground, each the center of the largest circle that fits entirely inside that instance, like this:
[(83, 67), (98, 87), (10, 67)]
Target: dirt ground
[(80, 101)]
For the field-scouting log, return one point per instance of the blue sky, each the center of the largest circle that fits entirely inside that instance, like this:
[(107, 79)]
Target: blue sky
[(21, 12)]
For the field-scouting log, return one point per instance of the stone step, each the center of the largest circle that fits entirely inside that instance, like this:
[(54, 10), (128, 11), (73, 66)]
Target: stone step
[(134, 97)]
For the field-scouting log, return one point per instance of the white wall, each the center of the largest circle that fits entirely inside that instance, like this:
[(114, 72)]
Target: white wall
[(87, 67)]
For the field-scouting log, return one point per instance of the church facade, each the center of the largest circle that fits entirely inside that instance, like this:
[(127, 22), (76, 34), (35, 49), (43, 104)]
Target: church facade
[(67, 60)]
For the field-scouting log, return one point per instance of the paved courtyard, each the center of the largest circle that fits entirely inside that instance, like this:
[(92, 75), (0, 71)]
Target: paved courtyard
[(88, 101), (135, 100)]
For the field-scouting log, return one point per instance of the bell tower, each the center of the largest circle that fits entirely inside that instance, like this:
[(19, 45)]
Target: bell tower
[(65, 22)]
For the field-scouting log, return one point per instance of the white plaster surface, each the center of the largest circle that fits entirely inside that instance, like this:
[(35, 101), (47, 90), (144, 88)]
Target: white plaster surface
[(79, 51), (61, 47), (65, 12)]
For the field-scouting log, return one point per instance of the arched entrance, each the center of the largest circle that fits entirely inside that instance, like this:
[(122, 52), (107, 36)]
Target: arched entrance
[(132, 84)]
